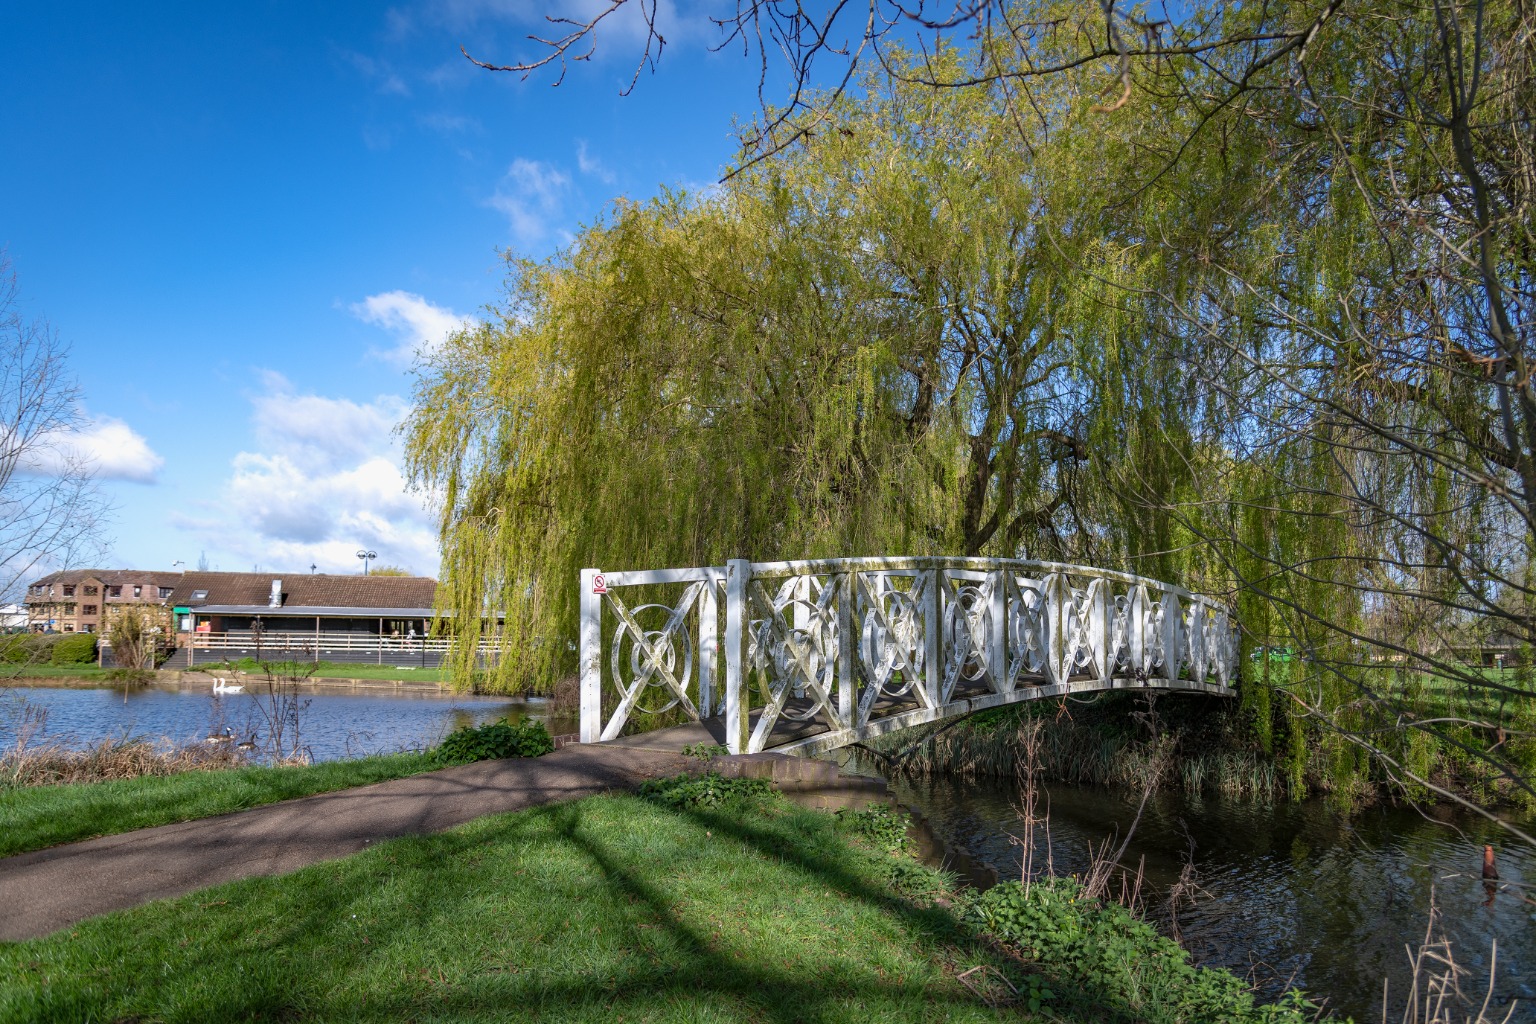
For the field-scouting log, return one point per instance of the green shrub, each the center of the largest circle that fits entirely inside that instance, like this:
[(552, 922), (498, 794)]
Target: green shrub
[(708, 790), (24, 649), (74, 649), (489, 742), (1118, 961), (878, 826)]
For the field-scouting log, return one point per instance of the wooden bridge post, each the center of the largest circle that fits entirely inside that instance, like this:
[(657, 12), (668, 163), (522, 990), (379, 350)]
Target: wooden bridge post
[(738, 574), (591, 657)]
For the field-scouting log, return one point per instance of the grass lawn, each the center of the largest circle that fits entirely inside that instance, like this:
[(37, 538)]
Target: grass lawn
[(611, 909), (344, 670), (53, 672), (34, 817)]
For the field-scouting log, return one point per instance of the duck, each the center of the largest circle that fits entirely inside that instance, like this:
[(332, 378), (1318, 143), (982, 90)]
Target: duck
[(249, 744)]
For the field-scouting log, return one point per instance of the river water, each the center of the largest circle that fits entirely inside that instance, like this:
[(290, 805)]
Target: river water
[(1295, 894), (332, 724)]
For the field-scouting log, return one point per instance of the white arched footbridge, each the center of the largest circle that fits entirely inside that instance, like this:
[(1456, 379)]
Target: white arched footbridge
[(808, 656)]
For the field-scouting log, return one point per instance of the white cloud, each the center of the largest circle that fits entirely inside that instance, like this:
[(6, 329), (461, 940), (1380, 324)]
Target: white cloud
[(531, 194), (420, 325), (379, 72), (590, 165), (106, 447), (324, 482)]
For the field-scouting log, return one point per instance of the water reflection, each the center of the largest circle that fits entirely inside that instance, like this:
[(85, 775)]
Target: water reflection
[(332, 724), (1296, 893)]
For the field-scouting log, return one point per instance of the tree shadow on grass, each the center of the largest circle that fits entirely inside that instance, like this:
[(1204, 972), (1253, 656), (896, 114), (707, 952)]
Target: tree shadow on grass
[(410, 930)]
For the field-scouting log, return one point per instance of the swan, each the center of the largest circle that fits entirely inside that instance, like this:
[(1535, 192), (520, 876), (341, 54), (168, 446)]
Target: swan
[(220, 685)]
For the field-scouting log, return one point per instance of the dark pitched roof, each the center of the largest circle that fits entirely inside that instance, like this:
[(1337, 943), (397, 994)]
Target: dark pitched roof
[(72, 576), (114, 577), (302, 590)]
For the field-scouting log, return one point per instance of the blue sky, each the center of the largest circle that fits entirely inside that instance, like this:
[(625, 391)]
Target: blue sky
[(244, 218)]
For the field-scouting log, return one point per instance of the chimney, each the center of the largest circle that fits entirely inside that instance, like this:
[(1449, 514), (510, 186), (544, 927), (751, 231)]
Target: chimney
[(276, 600)]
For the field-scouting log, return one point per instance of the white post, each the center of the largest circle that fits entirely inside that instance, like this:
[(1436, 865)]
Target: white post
[(1055, 593), (738, 573), (591, 657), (933, 637), (997, 634), (1136, 631), (709, 648), (1101, 628), (1173, 649), (847, 648)]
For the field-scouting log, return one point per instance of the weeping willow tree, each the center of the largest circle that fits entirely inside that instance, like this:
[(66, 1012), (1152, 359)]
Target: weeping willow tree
[(1349, 270), (882, 343)]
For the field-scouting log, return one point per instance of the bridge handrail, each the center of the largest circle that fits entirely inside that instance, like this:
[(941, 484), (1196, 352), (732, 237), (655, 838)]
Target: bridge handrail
[(843, 634)]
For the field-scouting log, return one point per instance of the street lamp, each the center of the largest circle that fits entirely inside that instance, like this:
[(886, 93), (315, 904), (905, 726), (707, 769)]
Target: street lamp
[(365, 555)]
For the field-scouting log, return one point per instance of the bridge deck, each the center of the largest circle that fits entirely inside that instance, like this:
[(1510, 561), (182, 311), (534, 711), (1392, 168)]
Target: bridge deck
[(814, 736)]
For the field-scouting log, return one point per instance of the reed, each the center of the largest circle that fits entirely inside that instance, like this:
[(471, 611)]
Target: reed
[(1084, 753), (53, 764)]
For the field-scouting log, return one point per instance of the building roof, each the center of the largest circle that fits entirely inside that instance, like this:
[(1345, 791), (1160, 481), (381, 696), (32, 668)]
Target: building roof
[(112, 577), (252, 590)]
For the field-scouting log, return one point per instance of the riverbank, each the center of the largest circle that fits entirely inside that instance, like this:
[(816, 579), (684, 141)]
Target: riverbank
[(423, 681), (1191, 746), (611, 907)]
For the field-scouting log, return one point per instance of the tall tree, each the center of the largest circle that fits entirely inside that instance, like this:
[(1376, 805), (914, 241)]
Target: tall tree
[(881, 342)]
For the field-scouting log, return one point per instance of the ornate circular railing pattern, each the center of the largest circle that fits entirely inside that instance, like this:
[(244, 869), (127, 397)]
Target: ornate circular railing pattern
[(864, 646)]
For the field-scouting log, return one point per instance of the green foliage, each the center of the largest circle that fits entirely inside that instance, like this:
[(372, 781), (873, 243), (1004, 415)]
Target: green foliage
[(705, 751), (24, 649), (706, 791), (130, 676), (74, 649), (881, 827), (500, 739), (1131, 972)]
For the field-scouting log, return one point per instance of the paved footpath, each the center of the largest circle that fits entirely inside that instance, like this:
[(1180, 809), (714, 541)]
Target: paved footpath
[(44, 891)]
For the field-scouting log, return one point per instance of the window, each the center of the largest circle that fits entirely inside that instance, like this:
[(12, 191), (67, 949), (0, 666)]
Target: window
[(199, 595), (165, 592), (114, 591), (68, 628), (69, 591), (90, 590), (87, 609), (138, 591)]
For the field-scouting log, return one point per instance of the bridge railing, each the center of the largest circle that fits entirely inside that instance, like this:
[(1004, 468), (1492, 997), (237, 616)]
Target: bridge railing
[(843, 642)]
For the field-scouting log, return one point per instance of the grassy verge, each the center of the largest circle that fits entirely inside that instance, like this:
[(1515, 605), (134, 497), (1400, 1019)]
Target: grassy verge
[(340, 669), (35, 817), (708, 901), (9, 672), (614, 908)]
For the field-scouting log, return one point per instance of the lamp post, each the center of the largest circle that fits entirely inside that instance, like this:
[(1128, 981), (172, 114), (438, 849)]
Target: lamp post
[(365, 555)]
